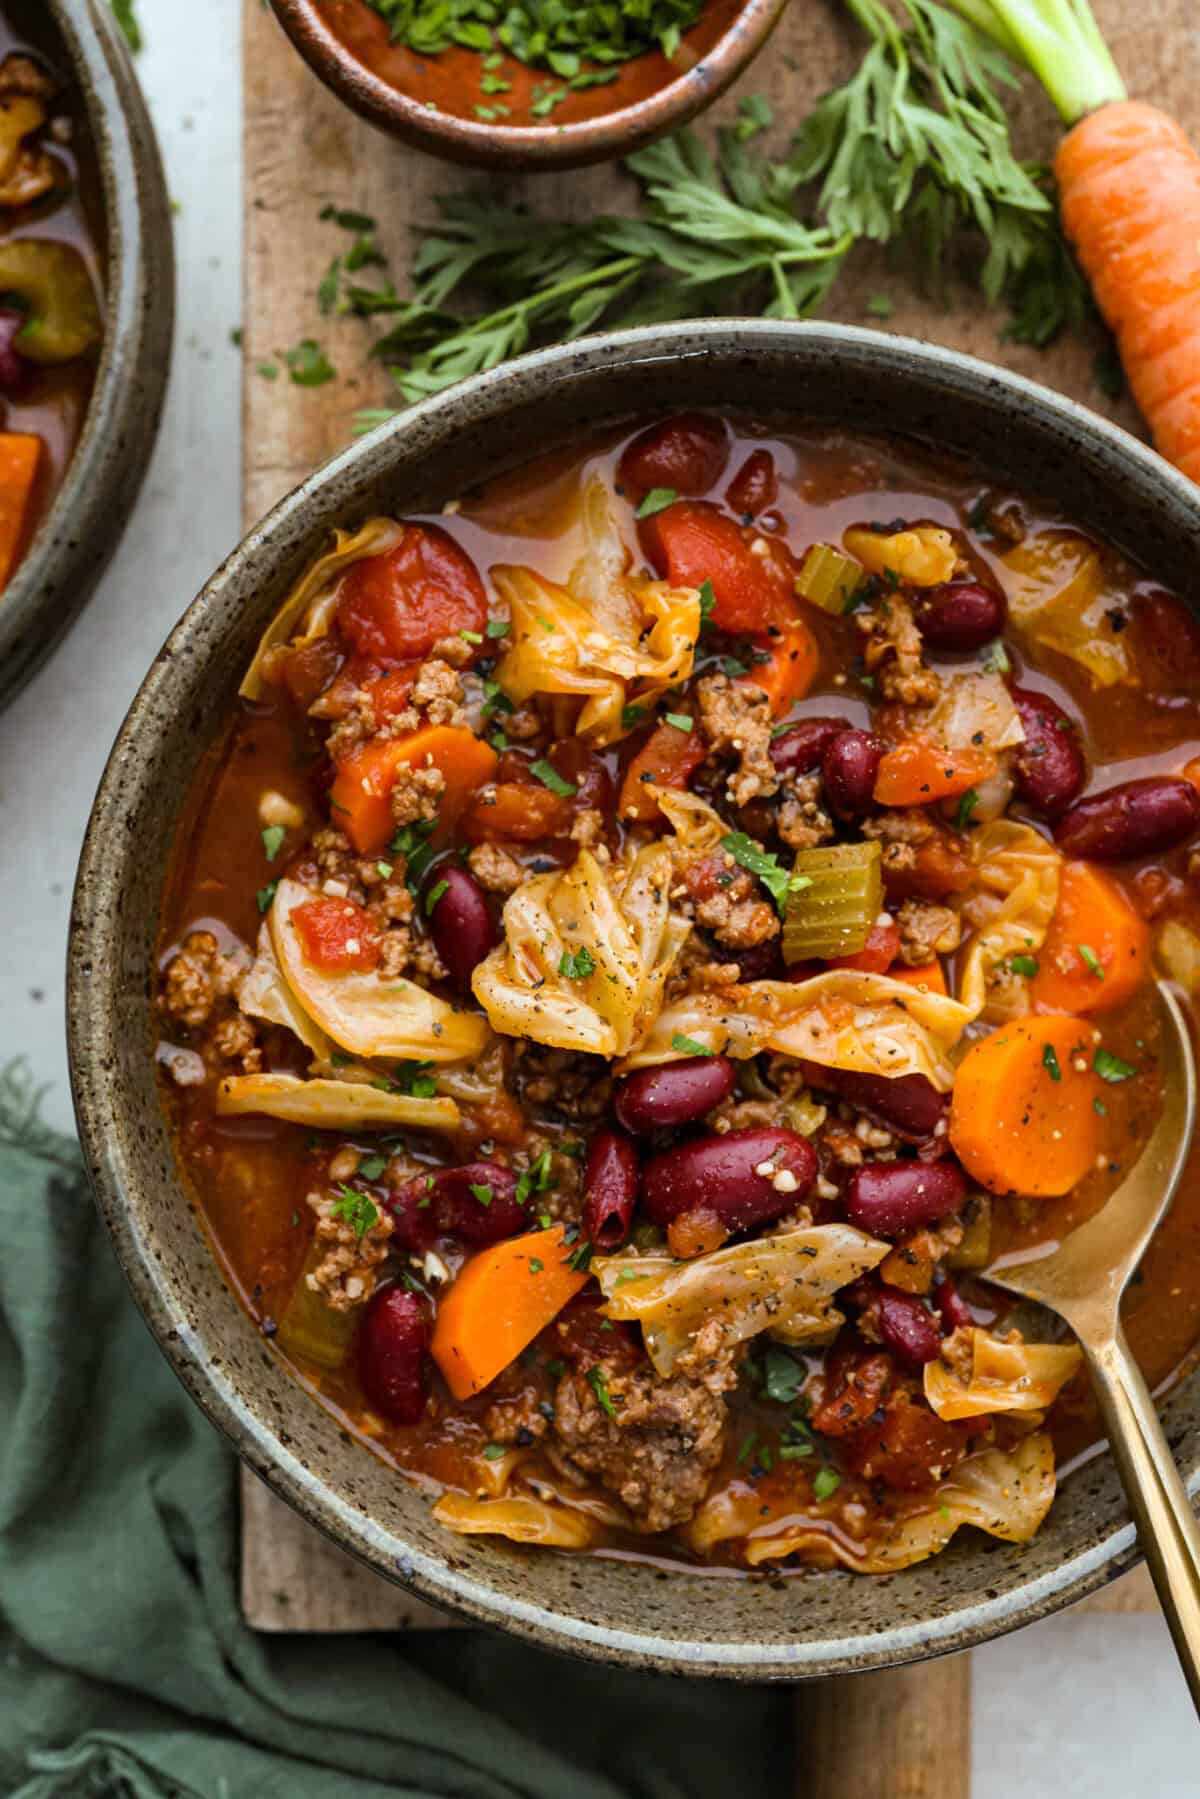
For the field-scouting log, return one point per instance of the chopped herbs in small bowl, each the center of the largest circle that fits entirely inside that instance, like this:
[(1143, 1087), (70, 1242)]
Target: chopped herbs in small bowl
[(535, 83)]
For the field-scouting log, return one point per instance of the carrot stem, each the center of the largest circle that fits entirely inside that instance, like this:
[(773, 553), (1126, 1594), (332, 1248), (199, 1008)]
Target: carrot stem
[(1060, 41)]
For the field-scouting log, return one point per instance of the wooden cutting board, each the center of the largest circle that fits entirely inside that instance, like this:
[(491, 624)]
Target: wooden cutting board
[(900, 1735)]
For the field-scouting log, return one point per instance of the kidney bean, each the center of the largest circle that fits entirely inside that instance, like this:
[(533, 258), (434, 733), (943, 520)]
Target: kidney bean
[(1169, 632), (441, 1204), (392, 1356), (799, 750), (849, 765), (686, 453), (610, 1184), (889, 1198), (1049, 765), (910, 1105), (962, 615), (583, 768), (720, 1174), (1138, 818), (759, 962), (907, 1327), (14, 370), (755, 486), (459, 920), (656, 1099), (955, 1312)]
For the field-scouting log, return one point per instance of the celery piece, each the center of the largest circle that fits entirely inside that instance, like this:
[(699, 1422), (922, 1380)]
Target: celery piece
[(310, 1327), (832, 915), (829, 578)]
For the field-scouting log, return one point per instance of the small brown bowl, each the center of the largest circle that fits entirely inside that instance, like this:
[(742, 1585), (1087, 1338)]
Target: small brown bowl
[(430, 101)]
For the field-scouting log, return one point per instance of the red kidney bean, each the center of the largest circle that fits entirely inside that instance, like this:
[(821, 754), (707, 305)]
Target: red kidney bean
[(907, 1327), (849, 765), (1169, 632), (759, 962), (1049, 765), (459, 920), (14, 370), (657, 1099), (441, 1204), (393, 1347), (954, 1310), (1138, 818), (610, 1184), (720, 1174), (962, 615), (582, 767), (686, 453), (889, 1198), (755, 486), (799, 750), (910, 1105)]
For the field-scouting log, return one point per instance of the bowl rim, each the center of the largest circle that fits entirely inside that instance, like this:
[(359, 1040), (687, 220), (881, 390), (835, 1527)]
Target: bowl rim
[(80, 532), (496, 145), (92, 975)]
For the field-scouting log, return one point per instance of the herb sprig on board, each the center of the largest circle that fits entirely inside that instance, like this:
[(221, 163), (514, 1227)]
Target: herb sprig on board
[(913, 151)]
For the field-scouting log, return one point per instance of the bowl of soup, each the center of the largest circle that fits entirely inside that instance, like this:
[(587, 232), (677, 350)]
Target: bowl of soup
[(629, 890), (86, 309)]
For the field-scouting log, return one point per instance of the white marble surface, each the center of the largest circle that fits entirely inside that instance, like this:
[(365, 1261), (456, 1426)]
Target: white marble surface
[(1076, 1706)]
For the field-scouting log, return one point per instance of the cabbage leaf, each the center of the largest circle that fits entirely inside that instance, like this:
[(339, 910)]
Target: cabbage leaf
[(1005, 1377), (263, 993), (332, 1105), (1017, 874), (1058, 595), (974, 711), (518, 1516)]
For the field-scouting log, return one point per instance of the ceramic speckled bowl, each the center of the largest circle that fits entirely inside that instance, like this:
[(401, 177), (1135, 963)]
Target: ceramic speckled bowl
[(431, 102), (754, 1628), (90, 511)]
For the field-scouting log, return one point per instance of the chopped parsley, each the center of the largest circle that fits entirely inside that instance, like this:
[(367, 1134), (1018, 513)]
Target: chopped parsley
[(535, 1178), (1024, 965), (371, 1167), (680, 720), (535, 1267), (1050, 1062), (687, 1046), (272, 841), (482, 1192), (434, 895), (308, 364), (1092, 959), (966, 806), (412, 842), (770, 871), (470, 636), (265, 895), (783, 1375), (708, 601), (384, 870), (356, 1209), (549, 776), (657, 500), (1111, 1068), (497, 627), (580, 1258), (414, 1078), (996, 659), (577, 967), (826, 1483), (599, 1385), (630, 716), (495, 1451)]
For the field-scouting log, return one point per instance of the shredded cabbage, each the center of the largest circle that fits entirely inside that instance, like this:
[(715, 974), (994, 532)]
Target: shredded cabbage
[(1005, 1377), (605, 637), (1017, 877), (1057, 594), (975, 711), (843, 1018), (369, 1014), (263, 993), (308, 611), (1178, 950), (923, 556), (613, 926), (784, 1284), (332, 1105), (519, 1517)]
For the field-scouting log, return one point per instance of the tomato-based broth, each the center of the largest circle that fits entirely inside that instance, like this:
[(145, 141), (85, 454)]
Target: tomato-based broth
[(50, 275), (649, 938)]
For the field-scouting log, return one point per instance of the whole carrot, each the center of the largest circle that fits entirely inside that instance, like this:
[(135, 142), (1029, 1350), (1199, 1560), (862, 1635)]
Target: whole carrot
[(1129, 192)]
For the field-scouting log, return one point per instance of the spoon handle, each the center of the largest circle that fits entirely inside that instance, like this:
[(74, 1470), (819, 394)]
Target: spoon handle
[(1167, 1528)]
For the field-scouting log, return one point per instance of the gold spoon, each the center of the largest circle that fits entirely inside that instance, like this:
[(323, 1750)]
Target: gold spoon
[(1082, 1279)]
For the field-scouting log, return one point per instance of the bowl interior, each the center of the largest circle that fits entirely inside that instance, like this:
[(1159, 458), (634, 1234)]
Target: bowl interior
[(781, 1627)]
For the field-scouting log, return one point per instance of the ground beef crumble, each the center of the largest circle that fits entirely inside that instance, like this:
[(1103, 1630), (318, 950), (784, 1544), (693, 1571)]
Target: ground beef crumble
[(894, 653), (735, 717), (728, 901), (575, 1086), (199, 977), (802, 821), (346, 1273), (417, 794), (495, 869), (926, 931)]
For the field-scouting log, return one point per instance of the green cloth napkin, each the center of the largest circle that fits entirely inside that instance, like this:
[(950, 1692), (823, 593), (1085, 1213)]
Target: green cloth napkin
[(125, 1665)]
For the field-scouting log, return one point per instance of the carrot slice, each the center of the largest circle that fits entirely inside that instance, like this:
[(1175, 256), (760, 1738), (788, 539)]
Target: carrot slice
[(1097, 950), (1022, 1117), (502, 1298), (930, 975), (20, 459), (916, 773), (517, 812), (791, 666), (668, 757), (362, 793)]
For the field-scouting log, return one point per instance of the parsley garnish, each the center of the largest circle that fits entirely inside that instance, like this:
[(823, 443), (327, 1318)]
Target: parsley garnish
[(1092, 959), (599, 1385), (708, 601), (535, 1267), (384, 870), (494, 1451), (577, 967), (687, 1046), (774, 877), (482, 1192), (826, 1483), (1111, 1068), (535, 1178), (630, 716), (1050, 1062), (414, 1078), (966, 805), (497, 627), (272, 840), (265, 895), (355, 1209), (308, 364), (783, 1375), (412, 842), (680, 720), (996, 660), (657, 500), (580, 1258), (470, 636), (549, 776), (1023, 965), (434, 895), (371, 1167)]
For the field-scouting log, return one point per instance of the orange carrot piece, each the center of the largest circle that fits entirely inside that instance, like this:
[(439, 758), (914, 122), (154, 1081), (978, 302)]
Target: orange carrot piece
[(790, 669), (362, 793), (930, 975), (518, 812), (1022, 1117), (1191, 771), (1129, 192), (1097, 950), (20, 459), (916, 773), (500, 1301), (668, 757)]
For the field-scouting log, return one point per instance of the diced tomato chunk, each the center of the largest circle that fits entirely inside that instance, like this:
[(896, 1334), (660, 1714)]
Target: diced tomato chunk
[(878, 952), (308, 669), (519, 811), (788, 667), (397, 606), (337, 934), (686, 454), (755, 486), (388, 693), (668, 758), (693, 541), (909, 1448)]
